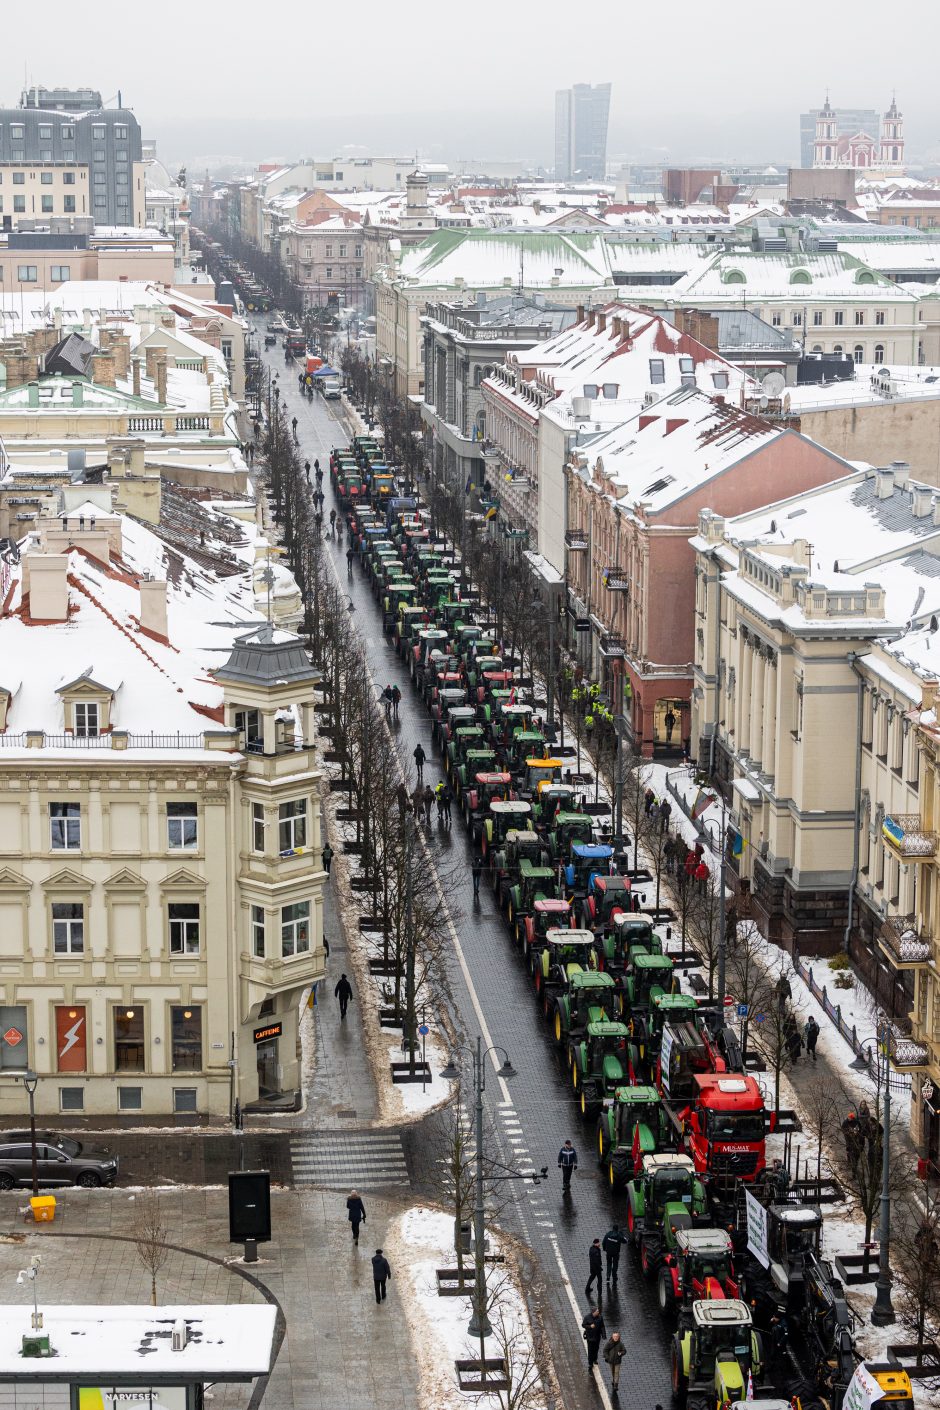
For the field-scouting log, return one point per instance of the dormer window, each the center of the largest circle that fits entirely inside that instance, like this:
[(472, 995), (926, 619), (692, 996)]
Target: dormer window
[(87, 704), (85, 714)]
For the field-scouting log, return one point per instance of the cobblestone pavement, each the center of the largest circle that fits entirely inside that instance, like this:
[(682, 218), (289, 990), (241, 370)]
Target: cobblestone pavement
[(340, 1351), (539, 1111)]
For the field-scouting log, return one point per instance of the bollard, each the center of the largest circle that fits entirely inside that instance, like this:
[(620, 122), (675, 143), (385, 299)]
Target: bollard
[(251, 1250)]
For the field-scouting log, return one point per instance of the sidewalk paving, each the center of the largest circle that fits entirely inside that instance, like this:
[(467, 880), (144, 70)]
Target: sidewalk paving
[(340, 1352)]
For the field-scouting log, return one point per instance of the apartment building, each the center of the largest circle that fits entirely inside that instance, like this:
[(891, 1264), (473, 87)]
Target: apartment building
[(161, 882), (324, 258), (82, 165)]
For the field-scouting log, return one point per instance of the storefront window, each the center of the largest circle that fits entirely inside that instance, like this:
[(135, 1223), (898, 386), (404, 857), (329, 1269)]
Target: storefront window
[(186, 1026)]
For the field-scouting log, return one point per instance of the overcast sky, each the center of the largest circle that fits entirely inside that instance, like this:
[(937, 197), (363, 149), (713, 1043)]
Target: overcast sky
[(691, 82)]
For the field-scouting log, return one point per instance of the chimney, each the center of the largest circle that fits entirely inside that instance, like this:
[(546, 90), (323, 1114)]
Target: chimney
[(884, 483), (150, 357), (935, 504), (135, 457), (161, 380), (78, 393), (616, 326), (580, 318), (48, 587), (121, 348), (602, 322), (32, 392), (102, 373), (153, 609), (136, 369), (921, 501), (902, 473), (590, 318)]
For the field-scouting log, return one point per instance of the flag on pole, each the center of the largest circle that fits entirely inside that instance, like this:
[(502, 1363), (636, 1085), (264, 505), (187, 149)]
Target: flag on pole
[(738, 845), (492, 512), (512, 696), (750, 1387), (703, 800), (469, 485)]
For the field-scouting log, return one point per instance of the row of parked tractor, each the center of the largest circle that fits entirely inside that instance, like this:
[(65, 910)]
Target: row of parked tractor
[(679, 1123)]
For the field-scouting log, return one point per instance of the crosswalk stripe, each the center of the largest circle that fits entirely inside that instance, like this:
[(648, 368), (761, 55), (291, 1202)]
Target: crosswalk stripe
[(360, 1158)]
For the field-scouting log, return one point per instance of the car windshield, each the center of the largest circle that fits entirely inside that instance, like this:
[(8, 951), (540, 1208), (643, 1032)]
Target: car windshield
[(68, 1146), (736, 1125), (672, 1185)]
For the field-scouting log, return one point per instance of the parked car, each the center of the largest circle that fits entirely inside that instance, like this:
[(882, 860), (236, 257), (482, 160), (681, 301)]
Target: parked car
[(60, 1159)]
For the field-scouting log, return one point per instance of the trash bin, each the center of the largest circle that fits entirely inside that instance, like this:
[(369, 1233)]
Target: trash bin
[(43, 1207)]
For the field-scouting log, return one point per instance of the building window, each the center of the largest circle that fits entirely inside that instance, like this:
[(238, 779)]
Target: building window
[(46, 204), (879, 317), (186, 1035), (292, 825), (248, 724), (257, 932), (65, 827), (798, 320), (859, 318), (182, 826), (183, 918), (45, 154), (657, 371), (328, 252), (329, 271), (101, 202), (68, 178), (67, 132), (817, 348), (858, 353), (817, 318), (98, 156), (295, 929), (776, 320), (838, 348), (86, 715), (120, 156), (358, 271), (257, 827), (184, 1099), (69, 204), (130, 1098), (19, 178), (45, 178), (358, 252), (15, 1046), (122, 202), (100, 178), (879, 352), (19, 204), (68, 928), (129, 1040), (26, 273), (120, 132), (98, 131), (720, 381), (45, 132), (71, 1098), (838, 317), (61, 272)]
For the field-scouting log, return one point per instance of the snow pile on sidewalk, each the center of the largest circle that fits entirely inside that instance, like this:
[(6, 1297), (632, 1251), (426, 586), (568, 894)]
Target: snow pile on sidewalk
[(424, 1241)]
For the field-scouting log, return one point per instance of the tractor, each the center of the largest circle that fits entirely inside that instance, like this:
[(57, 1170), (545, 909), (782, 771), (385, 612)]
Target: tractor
[(700, 1267), (632, 1125), (607, 897), (725, 1124), (667, 1195), (648, 1028), (546, 915), (560, 955), (517, 747), (532, 882), (587, 858), (567, 829), (490, 832), (552, 799), (485, 787), (591, 998), (625, 933), (648, 977), (467, 755), (718, 1358), (538, 771), (599, 1063)]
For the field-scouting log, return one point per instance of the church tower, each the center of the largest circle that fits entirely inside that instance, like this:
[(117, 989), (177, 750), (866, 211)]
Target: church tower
[(892, 139), (825, 148)]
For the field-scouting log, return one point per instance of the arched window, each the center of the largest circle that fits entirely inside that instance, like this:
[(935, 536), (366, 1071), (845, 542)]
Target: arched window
[(801, 276), (838, 348), (864, 276), (817, 347), (828, 156), (858, 352), (735, 276), (894, 154), (879, 352)]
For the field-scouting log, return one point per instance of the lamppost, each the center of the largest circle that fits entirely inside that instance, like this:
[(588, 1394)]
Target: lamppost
[(31, 1082), (30, 1275), (722, 847), (882, 1312), (479, 1322)]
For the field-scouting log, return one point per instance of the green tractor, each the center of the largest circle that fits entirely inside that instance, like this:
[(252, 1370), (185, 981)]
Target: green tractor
[(567, 829), (467, 756), (648, 977), (624, 933), (533, 882), (490, 833), (518, 747), (590, 998), (666, 1196), (599, 1064), (552, 799), (560, 955), (647, 1029), (632, 1125), (718, 1359), (546, 915)]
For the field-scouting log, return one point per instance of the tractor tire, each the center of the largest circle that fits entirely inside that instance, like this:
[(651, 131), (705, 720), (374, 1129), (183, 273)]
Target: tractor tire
[(570, 1056), (632, 1236), (621, 1168), (559, 1029), (537, 979), (574, 1074), (680, 1383), (602, 1141), (665, 1293), (647, 1266), (546, 1006)]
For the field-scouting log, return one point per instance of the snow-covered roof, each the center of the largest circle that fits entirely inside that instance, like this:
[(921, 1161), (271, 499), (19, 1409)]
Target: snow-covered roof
[(488, 258), (872, 385), (226, 1341)]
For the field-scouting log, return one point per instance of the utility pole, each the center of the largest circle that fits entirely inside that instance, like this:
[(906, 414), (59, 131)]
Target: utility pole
[(882, 1313)]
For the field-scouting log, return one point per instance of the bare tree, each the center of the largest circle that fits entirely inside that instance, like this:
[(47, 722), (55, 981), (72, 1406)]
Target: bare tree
[(455, 1168), (917, 1247), (863, 1165), (150, 1235), (820, 1102), (511, 1341), (746, 973), (777, 1019)]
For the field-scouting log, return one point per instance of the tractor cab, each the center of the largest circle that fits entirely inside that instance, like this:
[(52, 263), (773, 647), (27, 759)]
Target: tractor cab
[(411, 621), (526, 880), (725, 1123), (648, 977), (549, 914), (587, 859), (399, 593), (447, 697), (487, 786), (562, 954), (456, 715), (502, 817), (700, 1267), (718, 1358), (591, 998), (631, 1126), (794, 1232), (665, 1197), (569, 828), (432, 639), (537, 771), (467, 757), (599, 1063), (607, 897), (512, 715), (552, 800), (488, 682), (626, 933), (520, 745)]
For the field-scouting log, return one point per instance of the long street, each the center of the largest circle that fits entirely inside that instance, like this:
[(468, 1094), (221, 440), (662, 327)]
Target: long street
[(532, 1115)]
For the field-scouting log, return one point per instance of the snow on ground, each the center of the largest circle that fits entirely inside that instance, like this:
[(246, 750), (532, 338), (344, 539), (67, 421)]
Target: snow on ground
[(425, 1240)]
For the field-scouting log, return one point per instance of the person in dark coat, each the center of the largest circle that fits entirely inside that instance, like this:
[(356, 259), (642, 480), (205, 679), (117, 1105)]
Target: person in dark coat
[(428, 801), (477, 871), (649, 798), (419, 757), (343, 992), (811, 1036), (381, 1272), (614, 1352), (613, 1243), (595, 1267), (567, 1164), (594, 1331), (327, 855), (355, 1213), (401, 797)]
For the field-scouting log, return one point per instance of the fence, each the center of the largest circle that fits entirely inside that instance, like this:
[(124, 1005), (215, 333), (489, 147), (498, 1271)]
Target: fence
[(900, 1081)]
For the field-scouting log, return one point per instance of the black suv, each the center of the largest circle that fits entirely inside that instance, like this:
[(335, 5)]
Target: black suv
[(60, 1160)]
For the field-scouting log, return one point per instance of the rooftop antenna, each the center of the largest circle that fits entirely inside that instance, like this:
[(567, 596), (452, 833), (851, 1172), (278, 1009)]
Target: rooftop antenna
[(267, 577)]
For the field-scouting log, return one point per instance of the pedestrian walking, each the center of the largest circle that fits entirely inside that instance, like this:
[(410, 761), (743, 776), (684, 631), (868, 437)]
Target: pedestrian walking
[(419, 757), (701, 875), (293, 426), (316, 466), (670, 723), (811, 1034), (594, 1332), (396, 700), (307, 470), (381, 1272), (595, 1268), (417, 801), (783, 992), (350, 554), (665, 813), (793, 1040), (428, 802), (614, 1352), (447, 797), (567, 1164), (477, 870), (691, 862), (401, 797), (649, 798), (343, 992), (854, 1139), (612, 1244), (355, 1213), (327, 855)]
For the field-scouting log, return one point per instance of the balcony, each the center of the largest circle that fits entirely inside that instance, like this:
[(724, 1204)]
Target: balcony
[(908, 839), (907, 1054), (616, 580), (576, 540), (902, 944), (612, 647)]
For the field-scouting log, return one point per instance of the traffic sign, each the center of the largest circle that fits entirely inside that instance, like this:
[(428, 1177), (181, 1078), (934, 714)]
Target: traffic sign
[(424, 1030), (742, 1010), (759, 1017)]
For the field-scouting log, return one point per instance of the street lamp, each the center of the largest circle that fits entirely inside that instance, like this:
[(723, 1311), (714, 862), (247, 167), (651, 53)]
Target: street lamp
[(722, 848), (30, 1275), (31, 1082), (882, 1313), (479, 1322)]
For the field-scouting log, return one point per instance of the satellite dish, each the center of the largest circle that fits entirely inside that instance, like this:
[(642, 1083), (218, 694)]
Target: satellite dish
[(773, 384), (762, 403)]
